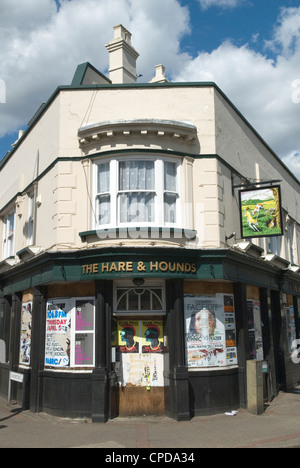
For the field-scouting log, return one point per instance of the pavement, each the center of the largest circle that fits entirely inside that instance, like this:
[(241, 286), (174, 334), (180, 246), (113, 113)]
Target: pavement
[(277, 427)]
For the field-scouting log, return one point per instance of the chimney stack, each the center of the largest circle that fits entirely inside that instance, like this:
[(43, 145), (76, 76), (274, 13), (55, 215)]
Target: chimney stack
[(160, 76), (122, 57)]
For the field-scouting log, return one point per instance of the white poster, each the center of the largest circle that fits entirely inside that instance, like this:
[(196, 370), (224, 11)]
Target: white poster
[(26, 322), (141, 370), (209, 331), (255, 330), (58, 332)]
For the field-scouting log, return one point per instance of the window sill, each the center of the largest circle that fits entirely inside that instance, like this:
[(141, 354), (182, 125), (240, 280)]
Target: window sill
[(151, 233)]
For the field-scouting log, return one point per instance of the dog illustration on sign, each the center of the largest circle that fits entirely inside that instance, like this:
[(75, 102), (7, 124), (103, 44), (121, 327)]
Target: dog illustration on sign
[(253, 223)]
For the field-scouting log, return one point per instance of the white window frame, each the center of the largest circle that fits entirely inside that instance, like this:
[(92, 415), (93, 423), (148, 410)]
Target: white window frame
[(159, 192), (129, 285), (8, 243), (71, 307)]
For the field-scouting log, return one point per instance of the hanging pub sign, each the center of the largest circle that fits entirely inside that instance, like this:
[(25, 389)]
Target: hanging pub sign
[(260, 212)]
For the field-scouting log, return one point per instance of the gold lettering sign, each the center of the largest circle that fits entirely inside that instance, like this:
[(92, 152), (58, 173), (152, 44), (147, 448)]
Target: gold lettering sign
[(91, 268), (139, 267)]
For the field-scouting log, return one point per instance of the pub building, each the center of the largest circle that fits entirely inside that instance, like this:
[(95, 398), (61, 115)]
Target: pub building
[(150, 249)]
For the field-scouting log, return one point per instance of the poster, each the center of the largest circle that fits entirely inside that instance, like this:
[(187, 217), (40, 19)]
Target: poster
[(26, 323), (210, 338), (152, 336), (260, 212), (128, 336), (141, 344), (291, 326), (255, 330), (58, 334), (141, 370), (230, 330)]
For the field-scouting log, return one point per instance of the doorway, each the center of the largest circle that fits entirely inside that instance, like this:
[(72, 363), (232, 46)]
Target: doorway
[(139, 348)]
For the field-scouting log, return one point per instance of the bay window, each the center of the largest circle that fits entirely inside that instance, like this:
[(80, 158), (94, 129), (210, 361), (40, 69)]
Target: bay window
[(140, 192)]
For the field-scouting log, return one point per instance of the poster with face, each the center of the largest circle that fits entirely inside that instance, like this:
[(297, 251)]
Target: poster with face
[(210, 334), (152, 336), (128, 336), (205, 331)]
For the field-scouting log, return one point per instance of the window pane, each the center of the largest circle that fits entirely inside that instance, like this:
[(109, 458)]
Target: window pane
[(121, 299), (30, 229), (103, 178), (11, 223), (84, 315), (170, 207), (157, 299), (139, 299), (136, 175), (136, 207), (84, 349), (170, 173), (145, 303), (104, 209), (133, 300), (8, 236)]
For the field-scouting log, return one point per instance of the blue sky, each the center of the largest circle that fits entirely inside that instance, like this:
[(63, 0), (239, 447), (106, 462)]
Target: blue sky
[(251, 49), (243, 22)]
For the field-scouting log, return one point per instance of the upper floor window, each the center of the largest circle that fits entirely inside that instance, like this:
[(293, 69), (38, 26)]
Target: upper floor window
[(138, 192), (273, 245), (8, 235), (290, 240), (30, 219)]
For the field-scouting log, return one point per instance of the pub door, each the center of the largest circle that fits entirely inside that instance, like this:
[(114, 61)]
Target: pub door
[(141, 366), (139, 349)]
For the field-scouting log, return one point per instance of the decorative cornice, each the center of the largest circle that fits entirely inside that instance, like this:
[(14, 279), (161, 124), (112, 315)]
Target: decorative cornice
[(153, 128)]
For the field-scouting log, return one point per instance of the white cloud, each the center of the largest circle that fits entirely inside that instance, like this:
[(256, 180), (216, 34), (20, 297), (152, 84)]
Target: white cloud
[(205, 4), (42, 44), (21, 17), (264, 90), (286, 39), (292, 161)]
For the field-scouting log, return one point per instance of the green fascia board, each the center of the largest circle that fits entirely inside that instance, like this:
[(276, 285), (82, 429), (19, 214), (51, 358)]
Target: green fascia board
[(67, 267), (210, 264)]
